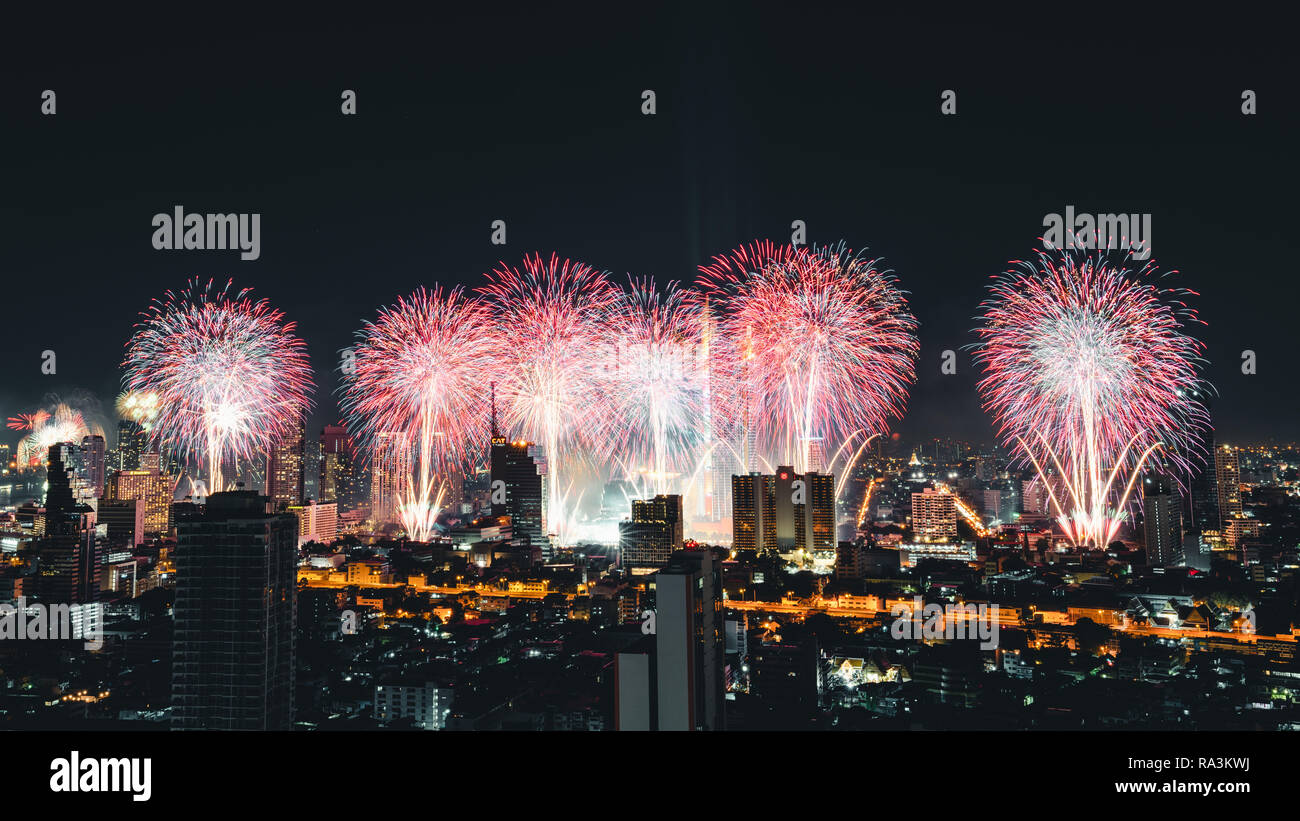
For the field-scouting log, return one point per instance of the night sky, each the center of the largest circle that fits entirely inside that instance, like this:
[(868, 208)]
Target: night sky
[(765, 115)]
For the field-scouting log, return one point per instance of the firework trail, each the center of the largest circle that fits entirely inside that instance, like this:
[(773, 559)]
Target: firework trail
[(418, 372), (60, 423), (814, 344), (1087, 372), (657, 405), (231, 377), (551, 322)]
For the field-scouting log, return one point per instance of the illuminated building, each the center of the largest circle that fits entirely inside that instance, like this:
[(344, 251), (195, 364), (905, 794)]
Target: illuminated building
[(426, 705), (934, 515), (335, 448), (753, 518), (317, 522), (814, 519), (235, 612), (653, 533), (132, 440), (151, 488), (285, 473), (390, 473), (94, 463), (910, 554), (1227, 480), (517, 491)]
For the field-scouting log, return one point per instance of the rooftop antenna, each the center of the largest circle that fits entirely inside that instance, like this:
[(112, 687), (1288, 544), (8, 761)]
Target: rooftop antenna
[(494, 409)]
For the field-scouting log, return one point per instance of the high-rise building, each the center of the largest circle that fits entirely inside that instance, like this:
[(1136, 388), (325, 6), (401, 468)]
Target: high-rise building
[(235, 614), (69, 560), (151, 488), (125, 521), (814, 512), (689, 646), (334, 446), (654, 532), (934, 515), (132, 440), (94, 458), (317, 522), (516, 491), (1162, 520), (285, 463), (753, 519), (390, 472), (1227, 480)]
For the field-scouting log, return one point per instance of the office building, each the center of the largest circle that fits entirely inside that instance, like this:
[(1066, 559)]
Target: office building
[(1162, 520), (934, 515), (516, 491), (285, 469), (235, 614), (654, 532)]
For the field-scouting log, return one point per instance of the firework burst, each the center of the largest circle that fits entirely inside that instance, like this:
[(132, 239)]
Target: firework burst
[(1090, 378), (140, 407), (658, 406), (553, 382), (46, 427), (816, 345), (417, 374), (231, 377)]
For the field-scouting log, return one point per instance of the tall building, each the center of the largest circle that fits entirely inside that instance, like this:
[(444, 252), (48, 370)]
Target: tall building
[(334, 445), (689, 646), (285, 463), (516, 491), (1162, 520), (235, 614), (317, 521), (814, 517), (69, 561), (1227, 480), (94, 457), (753, 519), (390, 472), (150, 487), (654, 532), (934, 515), (132, 440)]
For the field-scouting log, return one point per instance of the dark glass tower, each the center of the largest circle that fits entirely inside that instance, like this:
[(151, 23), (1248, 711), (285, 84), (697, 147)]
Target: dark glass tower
[(235, 612)]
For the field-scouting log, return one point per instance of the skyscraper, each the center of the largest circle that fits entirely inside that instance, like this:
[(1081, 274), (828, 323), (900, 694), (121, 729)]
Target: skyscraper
[(94, 462), (516, 491), (69, 560), (814, 518), (688, 642), (1227, 480), (390, 472), (934, 515), (151, 489), (753, 520), (285, 464), (132, 439), (1162, 520), (235, 614), (333, 444)]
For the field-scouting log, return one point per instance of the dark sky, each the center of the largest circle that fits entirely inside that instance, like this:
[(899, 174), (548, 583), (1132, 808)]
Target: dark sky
[(766, 114)]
